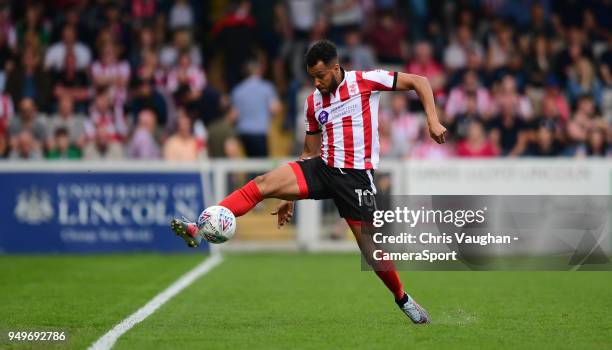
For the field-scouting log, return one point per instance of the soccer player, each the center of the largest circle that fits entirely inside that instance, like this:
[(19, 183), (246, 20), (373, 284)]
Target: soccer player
[(340, 155)]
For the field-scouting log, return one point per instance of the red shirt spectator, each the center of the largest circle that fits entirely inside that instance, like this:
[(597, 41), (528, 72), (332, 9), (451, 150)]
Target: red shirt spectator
[(387, 38), (424, 64), (476, 144)]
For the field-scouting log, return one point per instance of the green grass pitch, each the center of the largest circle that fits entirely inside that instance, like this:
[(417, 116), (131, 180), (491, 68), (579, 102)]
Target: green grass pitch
[(304, 301)]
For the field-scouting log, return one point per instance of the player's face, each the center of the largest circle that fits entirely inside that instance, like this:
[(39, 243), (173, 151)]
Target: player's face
[(325, 77)]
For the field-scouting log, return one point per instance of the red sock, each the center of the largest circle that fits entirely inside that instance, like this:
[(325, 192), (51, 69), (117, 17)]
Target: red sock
[(385, 270), (392, 281), (243, 199)]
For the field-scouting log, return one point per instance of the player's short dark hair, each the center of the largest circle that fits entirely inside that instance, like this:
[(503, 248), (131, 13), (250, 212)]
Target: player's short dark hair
[(322, 50)]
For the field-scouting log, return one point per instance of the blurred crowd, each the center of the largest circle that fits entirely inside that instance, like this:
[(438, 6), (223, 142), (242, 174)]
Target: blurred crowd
[(183, 79)]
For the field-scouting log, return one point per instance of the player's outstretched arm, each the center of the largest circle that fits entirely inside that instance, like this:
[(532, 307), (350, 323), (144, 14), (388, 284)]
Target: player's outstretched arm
[(421, 85)]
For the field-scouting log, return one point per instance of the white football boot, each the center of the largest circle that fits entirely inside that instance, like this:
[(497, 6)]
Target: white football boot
[(413, 310)]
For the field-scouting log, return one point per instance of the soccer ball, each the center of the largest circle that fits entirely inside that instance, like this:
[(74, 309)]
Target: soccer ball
[(216, 224)]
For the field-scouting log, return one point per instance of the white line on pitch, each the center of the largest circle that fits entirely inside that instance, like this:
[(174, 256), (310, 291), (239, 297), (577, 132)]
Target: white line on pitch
[(108, 340)]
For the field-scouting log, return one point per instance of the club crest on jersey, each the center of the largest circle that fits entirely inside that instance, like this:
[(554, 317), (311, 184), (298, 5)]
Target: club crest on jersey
[(323, 116), (352, 89)]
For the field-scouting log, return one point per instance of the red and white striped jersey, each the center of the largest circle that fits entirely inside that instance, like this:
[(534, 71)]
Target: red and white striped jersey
[(348, 119)]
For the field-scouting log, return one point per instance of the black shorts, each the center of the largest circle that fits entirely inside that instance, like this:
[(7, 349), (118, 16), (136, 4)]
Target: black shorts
[(352, 190)]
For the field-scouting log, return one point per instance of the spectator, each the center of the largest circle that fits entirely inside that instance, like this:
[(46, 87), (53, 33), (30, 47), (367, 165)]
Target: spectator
[(109, 72), (147, 96), (144, 144), (576, 48), (25, 146), (553, 91), (387, 37), (460, 124), (212, 111), (424, 64), (456, 54), (583, 81), (119, 31), (254, 101), (4, 144), (539, 23), (30, 121), (540, 65), (62, 147), (6, 60), (234, 36), (67, 119), (581, 123), (458, 95), (34, 23), (605, 68), (596, 145), (507, 89), (181, 15), (515, 69), (103, 115), (30, 81), (508, 130), (186, 79), (143, 10), (7, 112), (7, 28), (182, 145), (474, 64), (181, 42), (344, 16), (71, 82), (501, 48), (550, 118), (399, 129), (72, 16), (360, 55), (149, 69), (544, 144), (103, 146), (303, 15), (476, 144), (147, 43), (55, 57)]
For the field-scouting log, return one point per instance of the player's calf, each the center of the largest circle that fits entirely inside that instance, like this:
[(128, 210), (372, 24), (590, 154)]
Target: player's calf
[(279, 183)]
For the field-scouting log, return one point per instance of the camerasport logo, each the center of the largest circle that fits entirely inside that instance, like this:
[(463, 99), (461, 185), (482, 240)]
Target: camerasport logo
[(33, 206)]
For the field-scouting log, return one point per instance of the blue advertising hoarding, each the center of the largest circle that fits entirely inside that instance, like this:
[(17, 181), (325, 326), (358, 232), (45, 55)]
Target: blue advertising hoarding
[(81, 212)]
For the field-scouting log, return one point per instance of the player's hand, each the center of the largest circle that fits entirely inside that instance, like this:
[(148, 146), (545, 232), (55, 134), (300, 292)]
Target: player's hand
[(284, 212), (437, 132)]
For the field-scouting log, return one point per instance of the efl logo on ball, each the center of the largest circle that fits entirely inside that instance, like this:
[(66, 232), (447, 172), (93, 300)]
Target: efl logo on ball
[(216, 224)]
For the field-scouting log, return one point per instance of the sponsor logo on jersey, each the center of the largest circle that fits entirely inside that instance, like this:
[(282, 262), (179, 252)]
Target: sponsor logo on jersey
[(323, 116)]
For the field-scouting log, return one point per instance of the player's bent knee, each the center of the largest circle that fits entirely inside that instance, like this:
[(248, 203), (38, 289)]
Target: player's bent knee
[(262, 184)]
